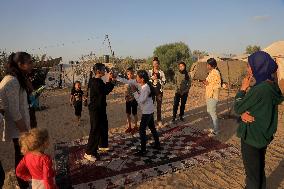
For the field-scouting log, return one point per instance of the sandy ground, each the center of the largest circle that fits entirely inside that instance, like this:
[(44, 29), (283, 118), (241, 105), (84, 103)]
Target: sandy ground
[(60, 121)]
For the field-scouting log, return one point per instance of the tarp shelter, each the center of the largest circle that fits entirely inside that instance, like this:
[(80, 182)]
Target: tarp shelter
[(232, 71), (276, 50)]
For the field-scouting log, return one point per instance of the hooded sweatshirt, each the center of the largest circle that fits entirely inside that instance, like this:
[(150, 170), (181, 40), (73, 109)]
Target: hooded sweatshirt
[(262, 103)]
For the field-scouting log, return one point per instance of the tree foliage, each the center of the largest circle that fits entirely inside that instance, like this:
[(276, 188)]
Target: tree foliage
[(170, 54), (252, 49)]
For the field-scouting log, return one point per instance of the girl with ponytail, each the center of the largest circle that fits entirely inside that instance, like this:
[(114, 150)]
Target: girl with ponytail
[(13, 90), (145, 100)]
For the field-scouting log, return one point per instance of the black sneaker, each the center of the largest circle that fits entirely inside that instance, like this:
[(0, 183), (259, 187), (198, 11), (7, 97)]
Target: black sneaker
[(140, 153), (173, 121), (181, 119), (156, 147)]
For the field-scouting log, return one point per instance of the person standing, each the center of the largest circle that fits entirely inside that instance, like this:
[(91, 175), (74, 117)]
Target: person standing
[(145, 101), (97, 109), (131, 103), (158, 80), (182, 86), (14, 88), (76, 100), (258, 108), (212, 87)]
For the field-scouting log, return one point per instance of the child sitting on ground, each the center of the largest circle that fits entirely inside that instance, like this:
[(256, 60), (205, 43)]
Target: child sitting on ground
[(36, 166)]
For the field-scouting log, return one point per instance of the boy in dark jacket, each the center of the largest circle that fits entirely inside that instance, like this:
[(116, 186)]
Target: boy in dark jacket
[(97, 110), (182, 86)]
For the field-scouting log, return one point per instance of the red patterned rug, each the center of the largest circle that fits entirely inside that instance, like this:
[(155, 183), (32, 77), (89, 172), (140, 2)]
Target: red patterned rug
[(183, 147)]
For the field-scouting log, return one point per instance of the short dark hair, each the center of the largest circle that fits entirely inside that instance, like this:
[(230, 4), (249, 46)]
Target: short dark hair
[(98, 67), (183, 63), (130, 69)]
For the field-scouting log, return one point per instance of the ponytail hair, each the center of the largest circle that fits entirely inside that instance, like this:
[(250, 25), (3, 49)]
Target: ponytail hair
[(144, 75), (14, 70)]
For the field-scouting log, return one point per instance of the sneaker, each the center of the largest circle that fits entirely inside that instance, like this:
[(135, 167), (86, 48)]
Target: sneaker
[(104, 150), (156, 147), (173, 121), (90, 157), (128, 130), (213, 134), (160, 124), (140, 153), (207, 131), (181, 119)]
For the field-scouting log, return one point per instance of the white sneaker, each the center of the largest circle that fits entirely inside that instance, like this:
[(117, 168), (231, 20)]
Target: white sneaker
[(160, 124), (104, 149), (90, 157)]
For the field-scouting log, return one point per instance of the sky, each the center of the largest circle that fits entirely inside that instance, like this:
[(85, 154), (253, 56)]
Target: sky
[(71, 28)]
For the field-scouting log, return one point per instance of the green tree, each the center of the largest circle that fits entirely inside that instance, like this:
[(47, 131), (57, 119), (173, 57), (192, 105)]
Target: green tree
[(252, 49), (170, 54)]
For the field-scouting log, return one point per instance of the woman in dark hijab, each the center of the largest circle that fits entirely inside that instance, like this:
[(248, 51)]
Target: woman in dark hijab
[(258, 108)]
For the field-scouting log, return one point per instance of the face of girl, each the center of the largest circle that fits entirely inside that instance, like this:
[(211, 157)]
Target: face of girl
[(26, 66), (156, 64), (181, 67), (77, 86), (130, 75), (209, 67), (139, 80)]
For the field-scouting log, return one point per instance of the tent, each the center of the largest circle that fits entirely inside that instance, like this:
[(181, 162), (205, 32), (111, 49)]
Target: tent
[(232, 71), (276, 50)]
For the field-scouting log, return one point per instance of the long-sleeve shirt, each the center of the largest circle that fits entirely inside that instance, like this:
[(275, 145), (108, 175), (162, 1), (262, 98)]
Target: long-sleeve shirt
[(262, 103), (182, 82), (214, 84), (38, 169), (16, 107), (130, 82), (97, 94), (159, 82), (144, 100)]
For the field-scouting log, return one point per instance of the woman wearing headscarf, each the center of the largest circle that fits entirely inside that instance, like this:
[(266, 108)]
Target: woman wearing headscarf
[(258, 108)]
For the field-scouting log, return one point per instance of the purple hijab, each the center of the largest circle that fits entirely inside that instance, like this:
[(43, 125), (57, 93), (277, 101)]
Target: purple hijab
[(262, 65)]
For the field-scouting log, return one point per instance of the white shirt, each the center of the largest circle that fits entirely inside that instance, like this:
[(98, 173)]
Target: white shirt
[(15, 103), (144, 100)]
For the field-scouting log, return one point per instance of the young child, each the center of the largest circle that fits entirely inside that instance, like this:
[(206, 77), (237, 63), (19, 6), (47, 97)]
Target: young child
[(144, 99), (131, 103), (36, 166), (182, 86), (97, 110), (158, 79), (76, 99)]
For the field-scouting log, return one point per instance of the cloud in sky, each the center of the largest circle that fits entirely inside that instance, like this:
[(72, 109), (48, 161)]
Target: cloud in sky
[(261, 18)]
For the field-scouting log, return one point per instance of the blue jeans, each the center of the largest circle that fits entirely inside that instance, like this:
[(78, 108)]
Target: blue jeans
[(211, 109)]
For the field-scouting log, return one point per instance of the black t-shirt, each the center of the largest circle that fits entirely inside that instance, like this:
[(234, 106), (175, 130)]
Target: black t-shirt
[(97, 94), (78, 95)]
